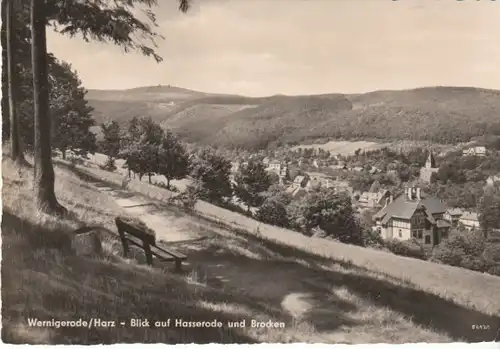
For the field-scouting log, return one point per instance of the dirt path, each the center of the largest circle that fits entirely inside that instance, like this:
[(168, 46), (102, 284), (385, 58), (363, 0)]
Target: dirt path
[(172, 228), (167, 228)]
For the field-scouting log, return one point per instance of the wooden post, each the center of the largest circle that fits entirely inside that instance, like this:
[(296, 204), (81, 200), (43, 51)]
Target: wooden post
[(149, 254), (124, 240), (178, 264)]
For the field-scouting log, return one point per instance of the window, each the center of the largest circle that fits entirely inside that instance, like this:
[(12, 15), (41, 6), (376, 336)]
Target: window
[(414, 234), (400, 233), (420, 235), (427, 239)]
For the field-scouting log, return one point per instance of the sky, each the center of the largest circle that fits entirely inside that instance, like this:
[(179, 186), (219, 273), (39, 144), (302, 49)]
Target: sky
[(267, 47)]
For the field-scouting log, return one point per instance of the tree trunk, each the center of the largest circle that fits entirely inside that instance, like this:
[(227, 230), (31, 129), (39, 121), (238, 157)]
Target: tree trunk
[(12, 85), (63, 152), (149, 178), (44, 178), (168, 183)]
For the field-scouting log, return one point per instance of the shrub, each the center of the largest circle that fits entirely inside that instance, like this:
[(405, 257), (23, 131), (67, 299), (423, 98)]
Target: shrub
[(190, 197), (110, 165), (495, 270), (76, 160), (372, 238), (125, 182), (469, 250), (446, 253), (162, 185), (409, 248), (473, 263), (273, 212), (186, 199)]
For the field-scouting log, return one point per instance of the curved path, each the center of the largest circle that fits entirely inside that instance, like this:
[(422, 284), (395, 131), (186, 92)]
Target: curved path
[(168, 227)]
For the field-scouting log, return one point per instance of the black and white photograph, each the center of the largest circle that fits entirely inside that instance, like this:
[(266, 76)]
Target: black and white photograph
[(250, 171)]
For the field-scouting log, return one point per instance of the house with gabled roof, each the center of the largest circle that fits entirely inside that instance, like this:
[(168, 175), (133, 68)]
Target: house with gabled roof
[(300, 181), (413, 215), (469, 220), (453, 215), (376, 199), (475, 151)]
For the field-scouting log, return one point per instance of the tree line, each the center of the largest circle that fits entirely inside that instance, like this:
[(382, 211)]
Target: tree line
[(149, 150)]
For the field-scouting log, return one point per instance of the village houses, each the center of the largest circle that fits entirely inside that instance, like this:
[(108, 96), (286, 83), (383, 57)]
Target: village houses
[(413, 214), (475, 151), (453, 215), (371, 200), (469, 220)]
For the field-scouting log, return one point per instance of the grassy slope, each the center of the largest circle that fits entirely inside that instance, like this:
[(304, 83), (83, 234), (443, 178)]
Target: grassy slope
[(159, 102), (371, 274), (440, 114), (323, 291), (43, 279)]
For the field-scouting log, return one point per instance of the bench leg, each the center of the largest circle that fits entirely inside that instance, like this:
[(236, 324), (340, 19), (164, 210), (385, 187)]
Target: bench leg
[(125, 247), (149, 255), (178, 265)]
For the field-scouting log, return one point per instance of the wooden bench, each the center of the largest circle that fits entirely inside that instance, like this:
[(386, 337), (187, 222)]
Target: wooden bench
[(136, 236)]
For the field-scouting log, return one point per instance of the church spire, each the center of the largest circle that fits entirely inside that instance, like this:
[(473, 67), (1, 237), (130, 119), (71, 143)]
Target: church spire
[(431, 161)]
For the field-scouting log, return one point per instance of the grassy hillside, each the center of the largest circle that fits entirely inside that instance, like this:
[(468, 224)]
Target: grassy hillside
[(159, 102), (437, 114), (323, 291), (146, 93)]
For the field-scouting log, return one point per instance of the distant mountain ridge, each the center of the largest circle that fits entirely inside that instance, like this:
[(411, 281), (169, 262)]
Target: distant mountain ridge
[(439, 114)]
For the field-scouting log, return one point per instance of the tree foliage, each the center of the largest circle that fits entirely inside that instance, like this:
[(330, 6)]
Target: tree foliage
[(116, 22), (212, 171), (173, 158), (71, 114), (252, 181), (489, 210), (110, 144), (462, 249), (331, 212), (274, 208)]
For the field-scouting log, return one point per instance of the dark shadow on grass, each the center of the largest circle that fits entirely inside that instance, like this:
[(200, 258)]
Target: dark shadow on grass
[(100, 289), (284, 278), (139, 205), (85, 176), (424, 308), (37, 237)]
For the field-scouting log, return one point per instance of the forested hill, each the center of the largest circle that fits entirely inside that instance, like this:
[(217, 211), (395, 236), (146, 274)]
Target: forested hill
[(438, 114)]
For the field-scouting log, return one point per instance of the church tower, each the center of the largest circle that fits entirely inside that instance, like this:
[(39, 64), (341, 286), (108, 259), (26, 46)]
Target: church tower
[(431, 161), (430, 168)]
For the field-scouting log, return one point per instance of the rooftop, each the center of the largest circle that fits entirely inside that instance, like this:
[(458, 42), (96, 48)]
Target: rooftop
[(403, 207)]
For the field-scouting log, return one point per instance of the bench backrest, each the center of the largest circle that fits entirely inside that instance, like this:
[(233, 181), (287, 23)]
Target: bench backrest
[(124, 227)]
